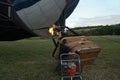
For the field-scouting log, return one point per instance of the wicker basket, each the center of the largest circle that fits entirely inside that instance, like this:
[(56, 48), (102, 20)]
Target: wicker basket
[(88, 51)]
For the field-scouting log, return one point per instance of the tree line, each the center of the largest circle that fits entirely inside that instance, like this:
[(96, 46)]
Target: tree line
[(99, 30)]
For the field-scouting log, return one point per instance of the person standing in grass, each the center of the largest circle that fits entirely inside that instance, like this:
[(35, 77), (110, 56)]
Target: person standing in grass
[(63, 50)]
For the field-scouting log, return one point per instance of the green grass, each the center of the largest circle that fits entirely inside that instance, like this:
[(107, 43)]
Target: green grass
[(31, 59)]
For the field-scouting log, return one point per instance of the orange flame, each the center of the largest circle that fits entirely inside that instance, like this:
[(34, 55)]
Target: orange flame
[(51, 30)]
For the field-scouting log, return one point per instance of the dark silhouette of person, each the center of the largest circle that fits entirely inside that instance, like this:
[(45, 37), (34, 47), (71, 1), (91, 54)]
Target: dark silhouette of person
[(64, 48)]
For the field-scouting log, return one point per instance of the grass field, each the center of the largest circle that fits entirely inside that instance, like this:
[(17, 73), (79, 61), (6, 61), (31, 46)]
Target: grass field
[(31, 59)]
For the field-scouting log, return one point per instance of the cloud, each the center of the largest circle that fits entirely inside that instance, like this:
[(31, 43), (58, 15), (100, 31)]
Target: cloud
[(102, 20)]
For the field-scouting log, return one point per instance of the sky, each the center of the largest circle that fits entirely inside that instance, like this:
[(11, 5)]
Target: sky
[(95, 12)]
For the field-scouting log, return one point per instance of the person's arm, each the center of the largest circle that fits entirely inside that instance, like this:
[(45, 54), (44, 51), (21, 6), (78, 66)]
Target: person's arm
[(70, 53)]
